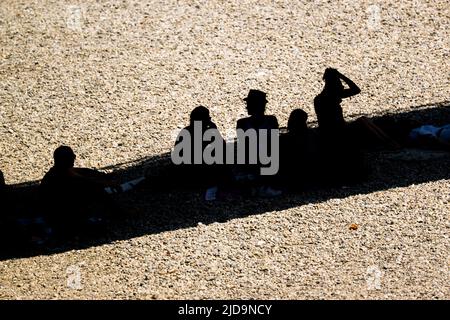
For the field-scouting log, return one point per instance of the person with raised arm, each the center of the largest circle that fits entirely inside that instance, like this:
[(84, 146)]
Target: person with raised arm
[(327, 104)]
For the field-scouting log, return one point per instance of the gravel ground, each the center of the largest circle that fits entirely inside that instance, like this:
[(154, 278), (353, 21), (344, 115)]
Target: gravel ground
[(115, 79)]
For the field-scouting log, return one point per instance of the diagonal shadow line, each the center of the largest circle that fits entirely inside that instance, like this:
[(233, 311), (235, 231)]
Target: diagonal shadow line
[(156, 211)]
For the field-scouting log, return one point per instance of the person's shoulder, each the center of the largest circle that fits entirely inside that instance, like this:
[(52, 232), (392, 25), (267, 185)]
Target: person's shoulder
[(272, 120), (271, 117), (50, 172), (49, 176), (242, 122), (212, 125), (182, 133), (318, 99)]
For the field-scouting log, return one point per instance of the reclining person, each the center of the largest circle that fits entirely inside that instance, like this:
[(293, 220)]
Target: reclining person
[(430, 136)]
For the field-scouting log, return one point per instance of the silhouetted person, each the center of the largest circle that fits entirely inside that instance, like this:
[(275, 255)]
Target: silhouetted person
[(209, 175), (341, 161), (256, 102), (332, 125), (201, 116), (328, 103), (68, 193), (298, 152), (297, 124)]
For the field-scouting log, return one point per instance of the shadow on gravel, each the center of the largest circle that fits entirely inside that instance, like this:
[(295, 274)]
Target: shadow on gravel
[(155, 208)]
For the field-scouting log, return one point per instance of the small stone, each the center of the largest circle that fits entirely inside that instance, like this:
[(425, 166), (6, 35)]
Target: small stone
[(353, 226)]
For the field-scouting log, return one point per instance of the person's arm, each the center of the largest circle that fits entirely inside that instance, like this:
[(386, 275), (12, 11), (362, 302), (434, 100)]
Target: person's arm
[(93, 176), (352, 90), (378, 133)]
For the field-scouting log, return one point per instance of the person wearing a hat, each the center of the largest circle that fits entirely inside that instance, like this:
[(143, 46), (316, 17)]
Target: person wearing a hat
[(256, 106), (256, 102)]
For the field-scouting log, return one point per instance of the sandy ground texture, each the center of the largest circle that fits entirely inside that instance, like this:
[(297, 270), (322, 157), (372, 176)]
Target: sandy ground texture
[(116, 79)]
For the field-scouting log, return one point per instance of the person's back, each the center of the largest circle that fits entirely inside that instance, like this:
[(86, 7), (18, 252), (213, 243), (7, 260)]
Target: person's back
[(329, 114), (298, 151), (196, 170), (68, 193), (258, 122), (327, 105), (61, 183), (199, 117)]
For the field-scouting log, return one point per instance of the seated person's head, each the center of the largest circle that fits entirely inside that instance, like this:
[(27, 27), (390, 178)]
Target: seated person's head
[(200, 113), (297, 121), (256, 102), (333, 83), (64, 157)]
